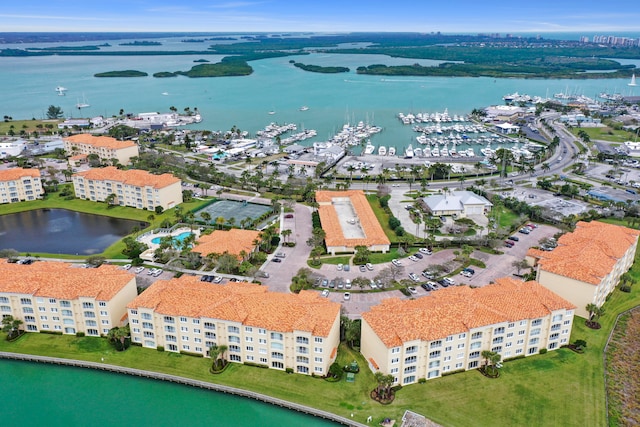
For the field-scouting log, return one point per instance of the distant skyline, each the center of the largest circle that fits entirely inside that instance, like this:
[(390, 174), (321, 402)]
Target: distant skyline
[(457, 16)]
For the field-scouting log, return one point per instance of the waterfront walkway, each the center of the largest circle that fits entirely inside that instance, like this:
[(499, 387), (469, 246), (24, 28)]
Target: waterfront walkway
[(184, 381)]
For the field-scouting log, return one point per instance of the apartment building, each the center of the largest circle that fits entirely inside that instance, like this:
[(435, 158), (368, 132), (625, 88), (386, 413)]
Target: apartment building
[(587, 264), (448, 330), (61, 297), (349, 221), (136, 188), (279, 331), (105, 147), (19, 184)]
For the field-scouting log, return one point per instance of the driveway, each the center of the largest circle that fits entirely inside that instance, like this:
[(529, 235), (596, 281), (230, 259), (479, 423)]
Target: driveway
[(280, 274)]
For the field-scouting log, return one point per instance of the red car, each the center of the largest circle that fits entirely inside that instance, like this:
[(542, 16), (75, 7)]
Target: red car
[(288, 216)]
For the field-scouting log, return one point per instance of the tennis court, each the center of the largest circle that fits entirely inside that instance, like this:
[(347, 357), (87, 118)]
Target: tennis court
[(233, 209)]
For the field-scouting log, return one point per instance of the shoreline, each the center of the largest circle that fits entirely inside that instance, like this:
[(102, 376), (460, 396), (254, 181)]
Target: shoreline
[(183, 381)]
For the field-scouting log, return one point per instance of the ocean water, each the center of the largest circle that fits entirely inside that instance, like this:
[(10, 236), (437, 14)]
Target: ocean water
[(59, 396), (276, 85)]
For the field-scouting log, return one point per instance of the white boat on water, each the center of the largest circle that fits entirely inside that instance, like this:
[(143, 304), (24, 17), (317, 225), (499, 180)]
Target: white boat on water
[(392, 151), (382, 150), (408, 152), (369, 148), (271, 113), (83, 103), (470, 152), (61, 90), (444, 151), (633, 80), (417, 152), (165, 94), (304, 108), (426, 151), (435, 152)]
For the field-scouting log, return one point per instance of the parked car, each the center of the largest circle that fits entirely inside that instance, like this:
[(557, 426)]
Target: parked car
[(532, 226), (210, 278), (346, 267), (449, 281), (332, 284), (362, 268), (425, 251), (414, 277), (339, 267), (347, 296), (508, 243), (347, 284), (413, 290), (203, 278), (126, 266), (412, 258), (277, 260), (514, 238), (429, 274), (426, 287), (157, 272), (139, 270), (325, 283), (325, 293), (396, 262), (443, 283), (280, 255), (288, 215), (470, 270), (466, 273), (369, 266), (218, 279), (524, 230), (373, 284), (418, 255)]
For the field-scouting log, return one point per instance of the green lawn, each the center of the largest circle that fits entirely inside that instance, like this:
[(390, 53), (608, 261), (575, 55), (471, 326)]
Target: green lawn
[(382, 216), (506, 217), (606, 134)]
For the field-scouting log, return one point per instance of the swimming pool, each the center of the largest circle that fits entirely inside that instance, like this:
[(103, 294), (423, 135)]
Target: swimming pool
[(180, 237)]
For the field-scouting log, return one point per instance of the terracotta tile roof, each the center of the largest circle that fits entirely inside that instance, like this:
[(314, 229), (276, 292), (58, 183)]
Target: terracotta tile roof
[(331, 223), (246, 303), (61, 280), (136, 177), (459, 309), (17, 173), (79, 157), (373, 363), (535, 253), (99, 141), (590, 252), (231, 241)]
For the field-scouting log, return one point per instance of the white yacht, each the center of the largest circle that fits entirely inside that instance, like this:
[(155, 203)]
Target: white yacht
[(304, 108), (633, 80), (382, 150), (392, 151), (369, 148), (417, 152), (444, 151), (61, 90), (408, 152), (426, 151), (82, 104), (435, 152)]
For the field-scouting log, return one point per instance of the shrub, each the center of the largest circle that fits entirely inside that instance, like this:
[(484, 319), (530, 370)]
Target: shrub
[(543, 351), (422, 380), (51, 332), (79, 334), (289, 370), (259, 365), (188, 353), (160, 348)]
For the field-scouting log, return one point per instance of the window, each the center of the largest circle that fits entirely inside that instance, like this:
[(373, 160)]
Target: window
[(318, 369), (395, 360), (27, 310), (434, 364), (508, 344), (184, 329), (54, 309), (249, 348), (395, 350), (302, 359), (533, 350), (248, 339), (235, 349), (458, 365), (91, 323), (69, 322), (185, 338), (32, 328), (554, 336), (556, 318), (172, 347), (553, 345), (262, 341), (146, 316), (196, 321), (434, 354), (262, 331), (148, 334), (533, 341), (535, 331), (147, 325), (4, 300), (233, 329), (87, 305), (474, 355), (277, 365), (65, 304), (276, 336), (92, 332), (409, 379), (102, 304), (317, 349), (447, 349), (476, 335), (411, 349), (25, 301), (555, 327), (497, 349), (103, 313), (509, 334), (45, 326), (475, 345), (169, 329), (319, 340), (473, 364), (317, 359), (461, 345), (183, 319), (497, 340), (522, 332), (519, 342), (208, 325), (302, 369), (234, 339), (248, 329), (536, 322), (523, 322), (410, 359), (134, 312), (302, 340), (169, 319), (460, 356), (277, 345), (303, 350), (42, 309), (5, 308), (30, 319), (410, 369), (277, 355), (67, 313), (499, 330), (170, 338), (511, 325), (436, 344), (449, 339), (462, 336)]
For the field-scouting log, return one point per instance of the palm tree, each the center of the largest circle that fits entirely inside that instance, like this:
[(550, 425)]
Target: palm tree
[(545, 167), (206, 216), (11, 326), (220, 222), (286, 233)]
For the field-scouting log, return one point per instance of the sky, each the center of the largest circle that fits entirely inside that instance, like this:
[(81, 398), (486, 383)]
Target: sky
[(448, 16)]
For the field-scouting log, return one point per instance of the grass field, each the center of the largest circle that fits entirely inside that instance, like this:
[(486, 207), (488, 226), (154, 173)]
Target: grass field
[(606, 134), (382, 216), (28, 126)]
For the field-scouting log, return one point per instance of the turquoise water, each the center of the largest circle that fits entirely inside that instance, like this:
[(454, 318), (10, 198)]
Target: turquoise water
[(180, 237), (47, 395), (275, 85)]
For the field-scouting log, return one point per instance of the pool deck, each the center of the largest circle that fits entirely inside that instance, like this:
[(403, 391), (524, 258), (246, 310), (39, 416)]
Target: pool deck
[(149, 236)]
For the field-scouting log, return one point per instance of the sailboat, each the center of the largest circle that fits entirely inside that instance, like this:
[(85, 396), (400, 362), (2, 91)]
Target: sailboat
[(83, 104), (633, 80)]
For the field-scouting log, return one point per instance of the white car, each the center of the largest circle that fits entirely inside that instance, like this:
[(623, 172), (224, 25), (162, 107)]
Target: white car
[(347, 296), (347, 284), (396, 262), (425, 251), (413, 290), (449, 281), (466, 273), (339, 267), (218, 279), (325, 293), (126, 266), (139, 270), (414, 277), (412, 258), (369, 266)]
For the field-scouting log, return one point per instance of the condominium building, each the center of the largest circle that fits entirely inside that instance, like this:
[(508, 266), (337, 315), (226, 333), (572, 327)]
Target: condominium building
[(279, 331), (105, 147), (136, 188), (19, 184), (448, 330), (349, 221), (587, 264), (61, 297)]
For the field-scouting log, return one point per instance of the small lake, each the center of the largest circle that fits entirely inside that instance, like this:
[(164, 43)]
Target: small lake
[(60, 231)]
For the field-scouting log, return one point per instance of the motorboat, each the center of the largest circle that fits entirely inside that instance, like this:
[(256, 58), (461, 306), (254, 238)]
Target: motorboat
[(382, 150), (408, 152), (392, 151)]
